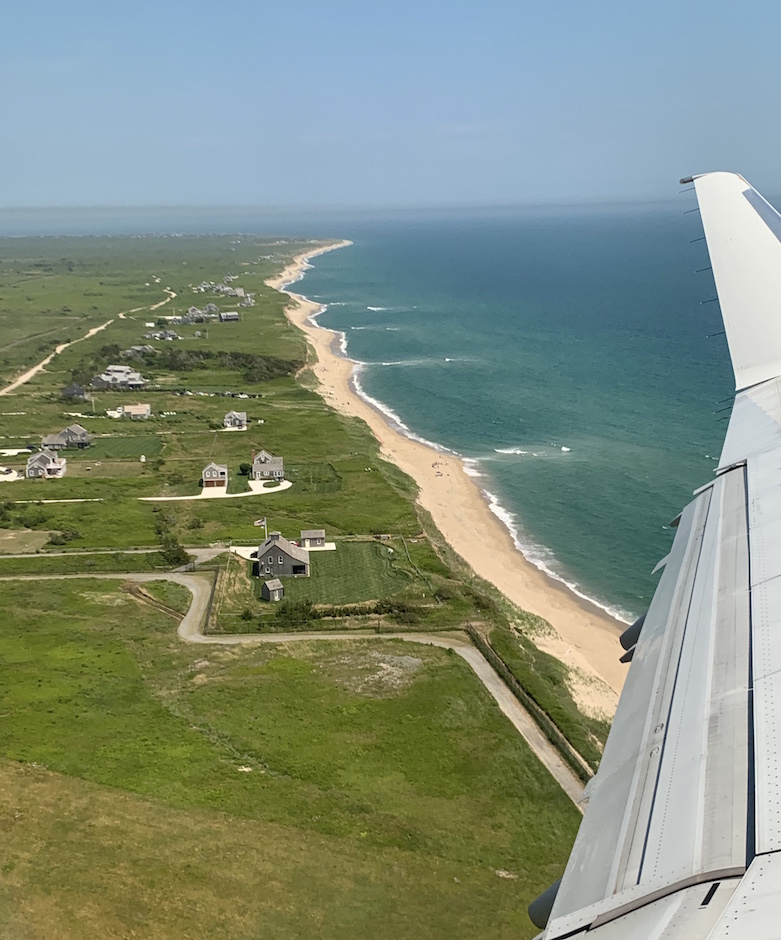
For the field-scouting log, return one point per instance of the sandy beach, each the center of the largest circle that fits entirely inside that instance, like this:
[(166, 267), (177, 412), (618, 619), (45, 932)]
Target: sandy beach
[(585, 636)]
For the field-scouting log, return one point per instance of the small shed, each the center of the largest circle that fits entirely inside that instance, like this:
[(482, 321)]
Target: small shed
[(312, 538), (272, 590)]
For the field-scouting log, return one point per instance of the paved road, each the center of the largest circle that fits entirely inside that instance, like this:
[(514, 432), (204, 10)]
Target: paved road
[(191, 631)]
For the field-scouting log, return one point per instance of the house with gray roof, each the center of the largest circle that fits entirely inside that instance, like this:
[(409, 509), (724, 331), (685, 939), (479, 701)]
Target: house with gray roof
[(312, 538), (214, 474), (266, 466), (279, 558), (45, 465), (236, 420), (73, 391), (119, 378), (72, 436), (229, 316), (273, 590)]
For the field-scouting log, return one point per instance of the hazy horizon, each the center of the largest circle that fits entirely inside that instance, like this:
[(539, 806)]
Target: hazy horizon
[(382, 105)]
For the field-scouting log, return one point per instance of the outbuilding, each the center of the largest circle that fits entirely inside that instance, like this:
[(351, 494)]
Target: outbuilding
[(272, 590), (312, 538)]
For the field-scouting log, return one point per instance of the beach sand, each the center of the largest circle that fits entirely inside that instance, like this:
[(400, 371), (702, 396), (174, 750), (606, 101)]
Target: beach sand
[(584, 636)]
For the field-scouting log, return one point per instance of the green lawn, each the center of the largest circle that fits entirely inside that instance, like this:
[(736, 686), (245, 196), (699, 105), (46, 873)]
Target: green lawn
[(123, 447), (86, 564), (355, 572), (385, 790)]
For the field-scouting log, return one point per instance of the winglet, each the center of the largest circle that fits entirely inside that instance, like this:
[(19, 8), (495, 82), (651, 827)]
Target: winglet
[(743, 233)]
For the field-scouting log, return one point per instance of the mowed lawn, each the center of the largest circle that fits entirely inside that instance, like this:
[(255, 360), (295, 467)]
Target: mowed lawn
[(350, 790), (132, 447), (355, 572)]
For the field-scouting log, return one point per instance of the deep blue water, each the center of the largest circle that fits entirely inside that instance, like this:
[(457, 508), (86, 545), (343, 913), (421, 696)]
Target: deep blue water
[(508, 336)]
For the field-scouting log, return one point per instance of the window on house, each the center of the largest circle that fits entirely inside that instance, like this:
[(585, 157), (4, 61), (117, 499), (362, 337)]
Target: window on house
[(271, 559), (281, 560)]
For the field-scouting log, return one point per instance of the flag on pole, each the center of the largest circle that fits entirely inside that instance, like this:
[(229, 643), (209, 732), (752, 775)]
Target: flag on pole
[(260, 521)]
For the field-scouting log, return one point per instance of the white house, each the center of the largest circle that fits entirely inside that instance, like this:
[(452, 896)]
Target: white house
[(236, 420)]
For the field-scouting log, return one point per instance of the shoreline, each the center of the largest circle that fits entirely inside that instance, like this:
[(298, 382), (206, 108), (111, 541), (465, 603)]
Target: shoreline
[(584, 635)]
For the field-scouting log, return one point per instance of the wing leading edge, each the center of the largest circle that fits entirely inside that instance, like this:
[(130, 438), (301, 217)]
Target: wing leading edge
[(682, 834)]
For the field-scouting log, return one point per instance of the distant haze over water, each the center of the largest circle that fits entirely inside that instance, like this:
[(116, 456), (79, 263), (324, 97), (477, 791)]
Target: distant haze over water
[(563, 352)]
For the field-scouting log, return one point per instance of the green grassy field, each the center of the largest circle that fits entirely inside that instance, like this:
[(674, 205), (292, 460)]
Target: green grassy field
[(383, 780), (122, 447), (355, 572), (87, 564)]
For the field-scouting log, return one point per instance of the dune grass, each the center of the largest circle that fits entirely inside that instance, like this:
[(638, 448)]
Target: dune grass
[(382, 779)]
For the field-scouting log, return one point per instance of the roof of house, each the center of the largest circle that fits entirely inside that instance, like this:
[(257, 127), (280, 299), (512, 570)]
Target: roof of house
[(313, 533), (136, 409), (222, 467), (264, 457), (44, 458), (241, 415), (274, 584), (278, 541)]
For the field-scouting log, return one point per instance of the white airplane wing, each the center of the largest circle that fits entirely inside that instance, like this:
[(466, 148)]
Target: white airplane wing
[(681, 837)]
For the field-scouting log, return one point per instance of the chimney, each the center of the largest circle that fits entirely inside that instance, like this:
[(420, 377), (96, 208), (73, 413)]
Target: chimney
[(275, 536)]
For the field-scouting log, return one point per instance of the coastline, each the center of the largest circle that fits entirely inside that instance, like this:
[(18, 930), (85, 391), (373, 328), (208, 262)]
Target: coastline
[(584, 635)]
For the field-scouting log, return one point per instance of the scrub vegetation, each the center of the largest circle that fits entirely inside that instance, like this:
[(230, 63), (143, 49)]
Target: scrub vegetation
[(315, 789)]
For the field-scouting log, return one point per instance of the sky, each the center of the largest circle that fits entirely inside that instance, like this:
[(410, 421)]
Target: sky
[(370, 103)]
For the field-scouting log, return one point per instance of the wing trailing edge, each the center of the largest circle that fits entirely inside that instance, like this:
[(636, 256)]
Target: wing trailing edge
[(743, 234)]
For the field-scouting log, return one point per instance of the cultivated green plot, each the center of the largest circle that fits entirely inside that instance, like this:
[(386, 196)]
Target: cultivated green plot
[(355, 572), (123, 447), (330, 790)]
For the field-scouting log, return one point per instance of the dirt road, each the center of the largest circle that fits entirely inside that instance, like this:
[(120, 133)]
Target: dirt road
[(26, 376), (190, 630)]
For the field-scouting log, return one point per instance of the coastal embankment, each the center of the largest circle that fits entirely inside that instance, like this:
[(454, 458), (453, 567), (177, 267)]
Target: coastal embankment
[(584, 636)]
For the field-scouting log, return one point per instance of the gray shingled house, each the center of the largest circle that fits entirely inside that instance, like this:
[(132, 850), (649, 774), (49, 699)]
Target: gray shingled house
[(214, 474), (278, 558), (73, 391), (72, 436), (45, 465), (266, 466), (272, 590)]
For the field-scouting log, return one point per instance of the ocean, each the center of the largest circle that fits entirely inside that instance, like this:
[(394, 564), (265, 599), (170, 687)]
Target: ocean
[(563, 352)]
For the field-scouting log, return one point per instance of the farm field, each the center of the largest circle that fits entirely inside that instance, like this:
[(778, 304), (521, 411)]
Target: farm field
[(365, 778)]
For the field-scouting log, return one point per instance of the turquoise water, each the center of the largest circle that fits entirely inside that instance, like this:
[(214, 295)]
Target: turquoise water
[(509, 336), (564, 354)]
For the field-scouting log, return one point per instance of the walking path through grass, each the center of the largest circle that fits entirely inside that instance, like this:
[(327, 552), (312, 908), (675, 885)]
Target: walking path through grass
[(30, 373), (190, 630)]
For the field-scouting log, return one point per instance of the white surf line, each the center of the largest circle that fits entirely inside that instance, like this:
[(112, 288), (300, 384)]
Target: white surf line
[(30, 373), (190, 630)]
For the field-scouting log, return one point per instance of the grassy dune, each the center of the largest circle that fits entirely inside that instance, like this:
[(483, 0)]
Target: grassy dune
[(387, 795)]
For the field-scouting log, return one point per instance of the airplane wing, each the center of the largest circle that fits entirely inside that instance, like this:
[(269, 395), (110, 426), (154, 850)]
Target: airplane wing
[(681, 837)]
